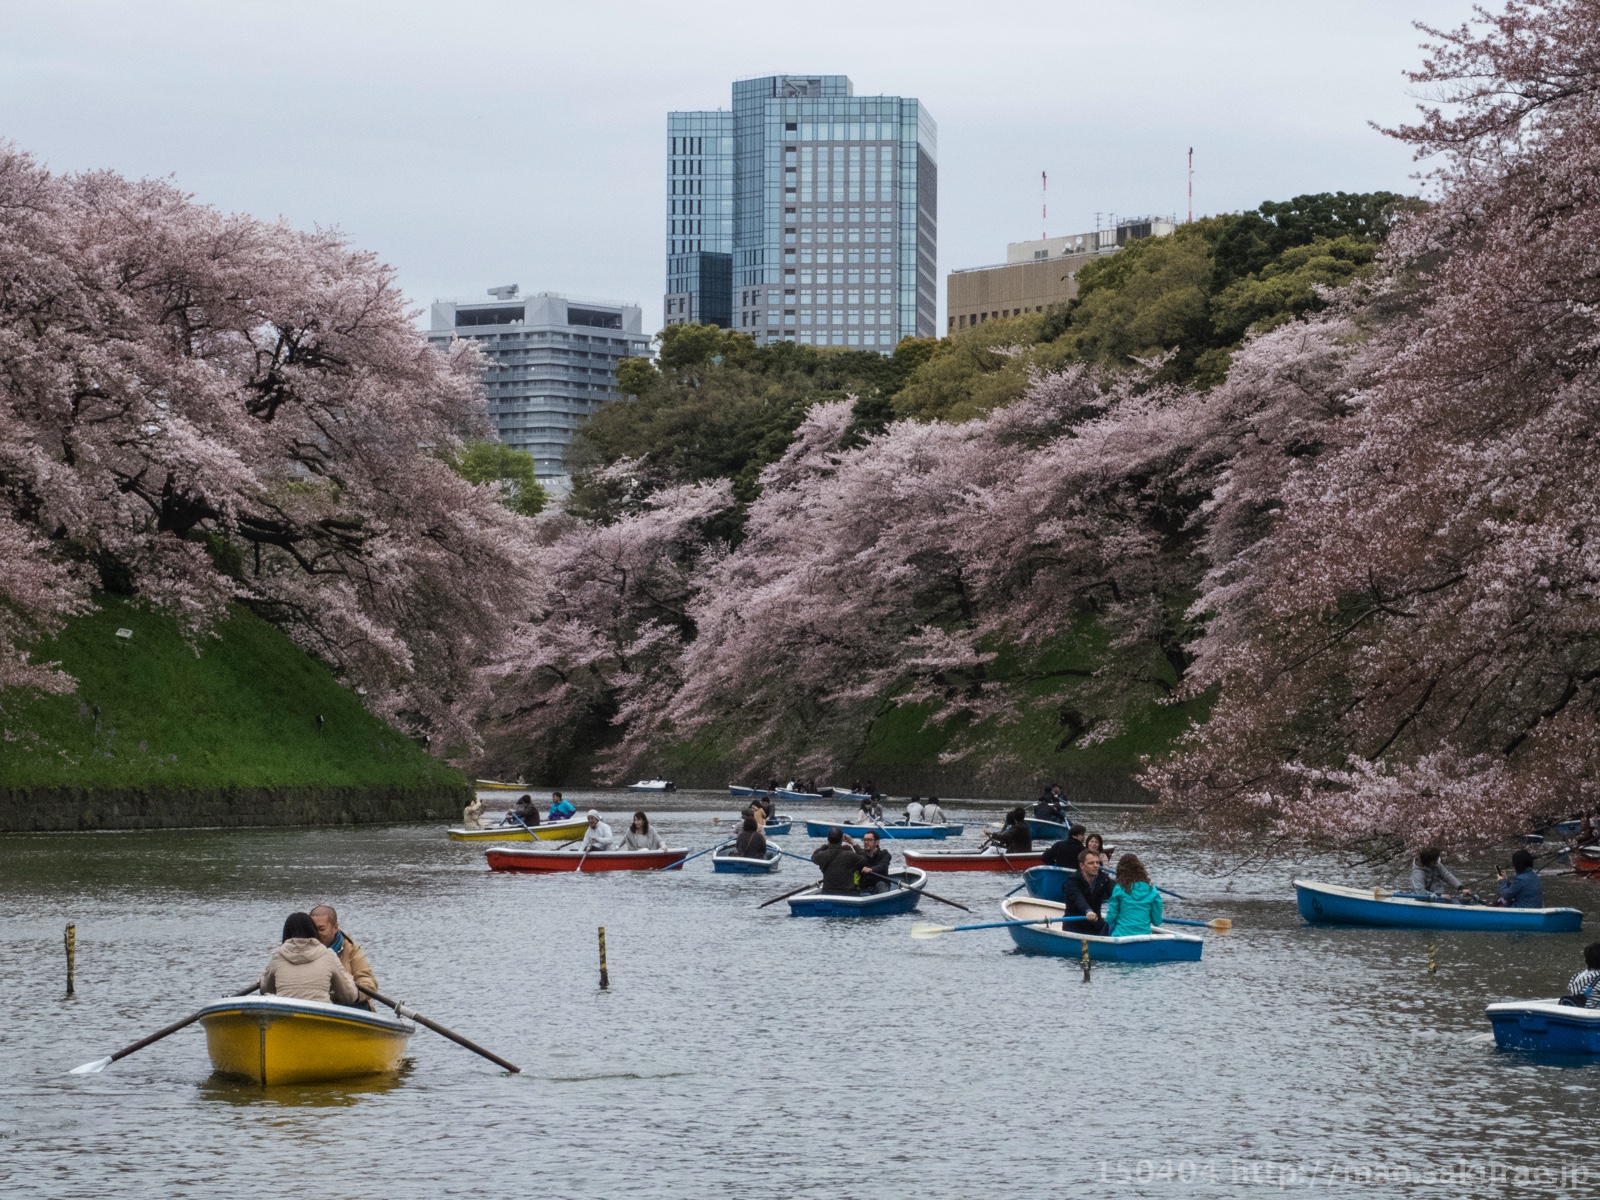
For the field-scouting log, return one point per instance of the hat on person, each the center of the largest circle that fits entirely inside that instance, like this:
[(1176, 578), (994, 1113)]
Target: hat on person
[(593, 812)]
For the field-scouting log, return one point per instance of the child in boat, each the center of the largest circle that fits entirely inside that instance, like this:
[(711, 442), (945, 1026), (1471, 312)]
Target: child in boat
[(1134, 908), (302, 968), (1583, 990)]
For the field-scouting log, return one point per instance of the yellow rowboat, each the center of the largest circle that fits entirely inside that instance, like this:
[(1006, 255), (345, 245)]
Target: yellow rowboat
[(273, 1040), (494, 785), (552, 831)]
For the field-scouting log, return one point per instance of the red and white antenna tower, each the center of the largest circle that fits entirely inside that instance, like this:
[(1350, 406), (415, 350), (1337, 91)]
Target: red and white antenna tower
[(1044, 211), (1191, 185)]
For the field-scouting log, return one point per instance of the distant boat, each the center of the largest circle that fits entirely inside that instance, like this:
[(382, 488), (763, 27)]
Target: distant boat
[(273, 1040), (1048, 831), (1331, 904), (494, 785), (918, 830), (791, 794), (1545, 1025), (653, 785), (540, 861), (735, 789), (971, 860), (846, 794), (1050, 936), (727, 861), (903, 898)]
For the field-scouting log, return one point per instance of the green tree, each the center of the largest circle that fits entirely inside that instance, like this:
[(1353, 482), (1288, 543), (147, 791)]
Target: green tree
[(636, 376), (512, 469)]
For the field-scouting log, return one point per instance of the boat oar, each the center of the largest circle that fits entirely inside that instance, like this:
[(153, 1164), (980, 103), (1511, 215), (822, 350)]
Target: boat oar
[(803, 887), (923, 930), (691, 857), (942, 900), (1220, 924), (402, 1010), (100, 1064)]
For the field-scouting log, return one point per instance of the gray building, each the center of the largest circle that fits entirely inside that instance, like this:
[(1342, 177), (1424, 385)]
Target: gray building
[(819, 208), (552, 362)]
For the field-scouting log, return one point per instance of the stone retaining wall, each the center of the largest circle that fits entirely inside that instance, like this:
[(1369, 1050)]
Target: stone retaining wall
[(28, 810)]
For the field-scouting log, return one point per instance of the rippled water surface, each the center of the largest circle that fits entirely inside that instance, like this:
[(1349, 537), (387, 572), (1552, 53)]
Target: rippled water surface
[(741, 1052)]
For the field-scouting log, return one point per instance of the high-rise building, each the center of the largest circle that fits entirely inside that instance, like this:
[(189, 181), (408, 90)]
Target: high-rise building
[(552, 362), (1037, 274), (818, 207)]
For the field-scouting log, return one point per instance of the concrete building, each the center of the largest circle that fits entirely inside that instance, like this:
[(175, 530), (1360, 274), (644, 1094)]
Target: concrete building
[(1037, 274), (815, 210), (552, 362)]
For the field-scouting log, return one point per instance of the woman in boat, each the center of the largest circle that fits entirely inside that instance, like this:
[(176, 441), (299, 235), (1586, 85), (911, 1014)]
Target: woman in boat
[(1430, 877), (302, 968), (640, 836), (1524, 888), (1134, 908), (472, 814), (750, 842), (863, 814)]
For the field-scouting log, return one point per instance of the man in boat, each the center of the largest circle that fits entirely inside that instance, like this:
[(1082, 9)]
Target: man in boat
[(351, 956), (1086, 891), (1068, 852), (914, 810), (526, 812), (1013, 837), (472, 814), (598, 836), (560, 809), (840, 862), (768, 807), (302, 968), (1431, 877), (1583, 990), (875, 864), (1521, 886), (1048, 806), (932, 813)]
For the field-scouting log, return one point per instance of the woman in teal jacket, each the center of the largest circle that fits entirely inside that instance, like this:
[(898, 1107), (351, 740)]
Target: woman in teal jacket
[(1135, 905)]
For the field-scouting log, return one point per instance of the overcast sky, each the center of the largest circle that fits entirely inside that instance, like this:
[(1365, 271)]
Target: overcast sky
[(478, 142)]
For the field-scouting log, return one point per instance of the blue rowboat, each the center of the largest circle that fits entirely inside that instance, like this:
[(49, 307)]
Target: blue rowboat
[(1064, 942), (787, 794), (1562, 828), (735, 789), (1049, 831), (1046, 883), (819, 829), (1330, 904), (842, 794), (901, 898), (727, 862), (1545, 1025), (779, 824)]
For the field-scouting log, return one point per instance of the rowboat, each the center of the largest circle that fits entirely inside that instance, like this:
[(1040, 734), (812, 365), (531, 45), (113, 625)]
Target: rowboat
[(1545, 1025), (735, 789), (791, 794), (846, 794), (1045, 883), (919, 829), (552, 831), (814, 902), (273, 1039), (727, 861), (548, 862), (1586, 860), (1064, 942), (653, 785), (970, 860), (1330, 904), (1048, 831), (494, 785)]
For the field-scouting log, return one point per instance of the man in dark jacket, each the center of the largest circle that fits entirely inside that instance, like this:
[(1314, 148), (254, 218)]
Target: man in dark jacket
[(1086, 891), (1065, 852), (839, 861), (1048, 806), (875, 863)]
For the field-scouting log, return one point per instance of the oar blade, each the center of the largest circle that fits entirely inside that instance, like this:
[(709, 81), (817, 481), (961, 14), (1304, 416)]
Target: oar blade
[(923, 930), (92, 1068), (1220, 924)]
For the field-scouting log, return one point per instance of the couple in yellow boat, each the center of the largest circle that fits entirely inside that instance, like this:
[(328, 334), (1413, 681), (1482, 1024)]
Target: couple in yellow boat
[(319, 961)]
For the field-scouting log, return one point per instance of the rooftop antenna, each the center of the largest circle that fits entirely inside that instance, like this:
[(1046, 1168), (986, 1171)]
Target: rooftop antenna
[(1044, 210), (1191, 186)]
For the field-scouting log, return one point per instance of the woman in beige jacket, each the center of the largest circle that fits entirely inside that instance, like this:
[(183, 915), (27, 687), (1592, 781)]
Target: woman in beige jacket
[(302, 968)]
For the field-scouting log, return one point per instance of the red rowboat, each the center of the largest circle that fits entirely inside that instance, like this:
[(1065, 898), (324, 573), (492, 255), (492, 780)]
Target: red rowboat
[(971, 860), (544, 861), (1586, 860)]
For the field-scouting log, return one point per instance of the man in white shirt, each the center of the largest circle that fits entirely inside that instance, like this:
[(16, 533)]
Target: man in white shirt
[(913, 811), (598, 836)]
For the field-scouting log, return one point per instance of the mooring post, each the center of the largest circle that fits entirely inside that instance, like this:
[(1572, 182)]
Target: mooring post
[(72, 954), (1085, 962), (605, 976), (1433, 963)]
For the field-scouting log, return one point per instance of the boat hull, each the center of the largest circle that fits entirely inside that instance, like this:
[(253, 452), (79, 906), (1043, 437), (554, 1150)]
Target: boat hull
[(841, 794), (734, 864), (1330, 904), (653, 785), (1544, 1025), (553, 831), (1586, 861), (535, 861), (494, 785), (735, 789), (1158, 947), (1048, 831), (970, 860), (899, 900), (272, 1040), (819, 829), (786, 794)]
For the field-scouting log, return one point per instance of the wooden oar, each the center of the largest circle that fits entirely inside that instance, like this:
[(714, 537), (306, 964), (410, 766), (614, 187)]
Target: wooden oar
[(692, 857), (803, 887), (1220, 924), (402, 1010), (100, 1064), (924, 930)]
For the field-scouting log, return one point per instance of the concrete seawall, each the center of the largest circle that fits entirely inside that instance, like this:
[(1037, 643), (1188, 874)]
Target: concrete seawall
[(40, 810)]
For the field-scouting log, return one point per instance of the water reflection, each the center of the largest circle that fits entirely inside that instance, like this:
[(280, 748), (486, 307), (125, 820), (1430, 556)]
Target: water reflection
[(228, 1090)]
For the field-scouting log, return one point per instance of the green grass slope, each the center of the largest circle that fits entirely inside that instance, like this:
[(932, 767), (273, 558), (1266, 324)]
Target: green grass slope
[(240, 713)]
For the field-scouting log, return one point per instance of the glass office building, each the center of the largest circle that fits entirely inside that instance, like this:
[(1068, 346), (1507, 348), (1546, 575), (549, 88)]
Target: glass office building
[(825, 204), (551, 362)]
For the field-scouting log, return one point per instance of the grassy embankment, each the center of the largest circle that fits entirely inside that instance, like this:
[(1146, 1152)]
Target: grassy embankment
[(240, 713)]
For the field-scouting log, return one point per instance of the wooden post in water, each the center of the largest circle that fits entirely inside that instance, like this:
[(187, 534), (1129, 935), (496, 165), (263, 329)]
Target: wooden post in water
[(1085, 961), (605, 976), (1433, 964), (71, 940)]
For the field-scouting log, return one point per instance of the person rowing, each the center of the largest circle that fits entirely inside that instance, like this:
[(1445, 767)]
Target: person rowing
[(351, 956), (1134, 907), (750, 841), (840, 862), (526, 813), (1086, 892), (1048, 806), (1068, 852), (875, 864), (1013, 837), (1521, 886), (560, 808), (302, 968), (598, 836), (863, 814), (1431, 877), (640, 836)]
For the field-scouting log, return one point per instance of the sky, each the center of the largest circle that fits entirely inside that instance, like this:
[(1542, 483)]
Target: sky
[(472, 143)]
